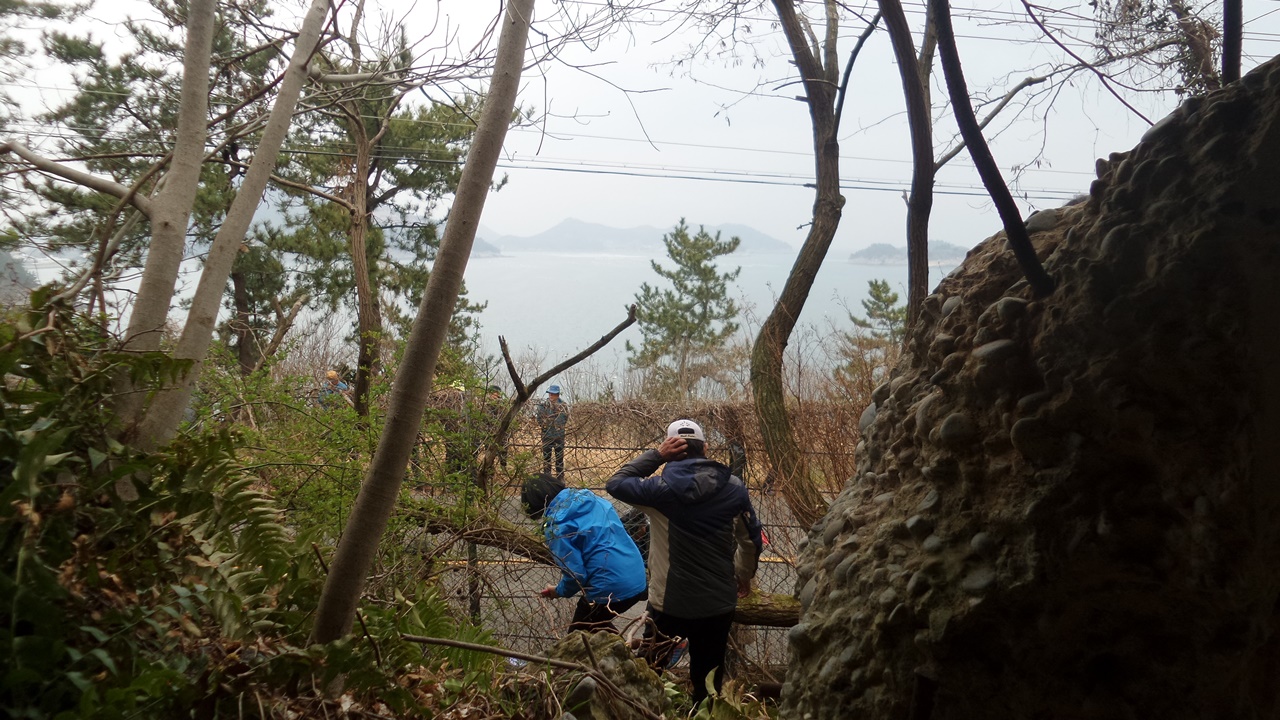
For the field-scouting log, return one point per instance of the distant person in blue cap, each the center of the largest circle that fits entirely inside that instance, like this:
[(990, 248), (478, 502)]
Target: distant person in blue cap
[(552, 416)]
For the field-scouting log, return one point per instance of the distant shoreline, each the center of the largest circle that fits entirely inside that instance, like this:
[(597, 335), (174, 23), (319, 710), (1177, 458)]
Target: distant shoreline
[(903, 263)]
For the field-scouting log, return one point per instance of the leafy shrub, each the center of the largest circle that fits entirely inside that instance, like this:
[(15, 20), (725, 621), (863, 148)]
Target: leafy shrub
[(161, 584)]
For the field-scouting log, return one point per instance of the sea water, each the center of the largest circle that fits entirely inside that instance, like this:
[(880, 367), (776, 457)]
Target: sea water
[(549, 306)]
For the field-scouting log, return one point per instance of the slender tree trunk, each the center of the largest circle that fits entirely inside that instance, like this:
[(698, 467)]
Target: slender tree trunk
[(246, 341), (914, 74), (473, 582), (165, 411), (1014, 228), (171, 209), (821, 82), (1232, 30), (173, 204), (412, 385), (368, 317)]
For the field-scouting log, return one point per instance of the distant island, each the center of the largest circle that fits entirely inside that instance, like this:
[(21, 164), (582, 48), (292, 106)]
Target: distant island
[(483, 248), (577, 236), (940, 253)]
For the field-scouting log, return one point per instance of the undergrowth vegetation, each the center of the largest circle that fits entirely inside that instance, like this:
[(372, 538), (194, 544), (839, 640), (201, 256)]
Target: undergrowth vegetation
[(182, 582)]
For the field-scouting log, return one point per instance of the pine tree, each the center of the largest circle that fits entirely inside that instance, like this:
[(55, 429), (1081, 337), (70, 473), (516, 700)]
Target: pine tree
[(687, 324), (886, 319)]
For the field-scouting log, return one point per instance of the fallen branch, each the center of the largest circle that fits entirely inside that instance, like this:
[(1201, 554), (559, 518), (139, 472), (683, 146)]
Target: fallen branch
[(540, 660)]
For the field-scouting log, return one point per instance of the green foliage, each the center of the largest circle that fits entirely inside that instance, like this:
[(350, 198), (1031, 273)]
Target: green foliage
[(414, 157), (163, 584), (686, 325), (886, 318), (123, 116), (867, 353)]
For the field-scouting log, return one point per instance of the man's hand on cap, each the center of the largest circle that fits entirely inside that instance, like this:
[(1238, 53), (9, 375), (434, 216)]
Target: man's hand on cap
[(673, 448)]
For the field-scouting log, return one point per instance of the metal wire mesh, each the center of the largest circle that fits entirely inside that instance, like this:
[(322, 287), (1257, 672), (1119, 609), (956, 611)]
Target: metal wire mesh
[(500, 590)]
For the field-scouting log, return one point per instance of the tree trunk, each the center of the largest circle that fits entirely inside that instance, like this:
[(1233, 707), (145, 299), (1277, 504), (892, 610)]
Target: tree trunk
[(971, 130), (171, 209), (246, 341), (914, 73), (173, 204), (165, 411), (821, 82), (1232, 32), (368, 317), (412, 385)]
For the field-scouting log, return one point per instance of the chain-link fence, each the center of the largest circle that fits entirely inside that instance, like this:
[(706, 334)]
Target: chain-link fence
[(500, 589)]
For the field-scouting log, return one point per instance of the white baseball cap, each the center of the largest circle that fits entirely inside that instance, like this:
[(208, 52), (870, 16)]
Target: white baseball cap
[(685, 429)]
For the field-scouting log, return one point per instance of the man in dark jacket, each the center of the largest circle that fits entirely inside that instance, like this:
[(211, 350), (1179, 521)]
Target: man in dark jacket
[(552, 416), (595, 554), (705, 542)]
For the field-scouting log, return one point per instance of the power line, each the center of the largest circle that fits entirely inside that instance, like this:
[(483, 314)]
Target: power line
[(390, 151), (753, 177)]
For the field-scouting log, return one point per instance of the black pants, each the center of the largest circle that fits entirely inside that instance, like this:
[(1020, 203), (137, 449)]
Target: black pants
[(598, 616), (550, 444), (708, 639)]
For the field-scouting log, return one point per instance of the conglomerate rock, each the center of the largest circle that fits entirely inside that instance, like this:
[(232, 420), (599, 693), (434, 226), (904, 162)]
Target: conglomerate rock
[(1069, 507), (610, 655)]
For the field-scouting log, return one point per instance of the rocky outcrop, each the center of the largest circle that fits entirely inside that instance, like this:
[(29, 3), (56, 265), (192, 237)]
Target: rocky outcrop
[(1069, 506), (633, 689)]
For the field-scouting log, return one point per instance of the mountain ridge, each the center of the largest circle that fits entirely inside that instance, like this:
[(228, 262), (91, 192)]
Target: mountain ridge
[(940, 253), (579, 236)]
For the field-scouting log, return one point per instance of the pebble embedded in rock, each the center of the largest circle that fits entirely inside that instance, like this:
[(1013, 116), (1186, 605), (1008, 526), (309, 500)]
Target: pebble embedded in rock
[(1029, 403), (880, 394), (930, 501), (931, 544), (982, 543), (883, 498), (835, 526), (801, 638), (868, 417), (1011, 308), (924, 414), (919, 527), (918, 584), (1037, 442), (957, 431), (806, 594), (1042, 220), (996, 350), (950, 305), (978, 580), (888, 597), (581, 693), (845, 567), (899, 615)]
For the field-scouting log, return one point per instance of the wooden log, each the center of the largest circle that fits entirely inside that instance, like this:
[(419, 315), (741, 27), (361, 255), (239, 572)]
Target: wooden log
[(768, 610)]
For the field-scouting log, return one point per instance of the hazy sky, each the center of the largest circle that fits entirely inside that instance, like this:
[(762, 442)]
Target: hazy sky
[(753, 150), (723, 140)]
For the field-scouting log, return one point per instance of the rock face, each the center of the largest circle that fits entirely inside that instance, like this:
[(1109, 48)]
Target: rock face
[(610, 655), (1069, 507)]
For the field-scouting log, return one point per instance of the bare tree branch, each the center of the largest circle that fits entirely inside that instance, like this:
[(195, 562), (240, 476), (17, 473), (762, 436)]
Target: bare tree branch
[(1015, 230), (1004, 101), (1083, 63), (93, 182), (524, 391)]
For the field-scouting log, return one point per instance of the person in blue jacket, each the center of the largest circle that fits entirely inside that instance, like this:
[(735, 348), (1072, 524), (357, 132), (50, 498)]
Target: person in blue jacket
[(595, 554)]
